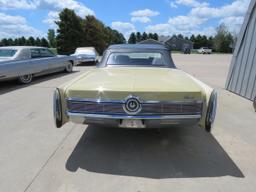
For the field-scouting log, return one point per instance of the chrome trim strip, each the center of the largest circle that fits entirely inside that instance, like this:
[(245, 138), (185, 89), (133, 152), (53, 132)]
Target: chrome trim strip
[(153, 117), (142, 101), (95, 100)]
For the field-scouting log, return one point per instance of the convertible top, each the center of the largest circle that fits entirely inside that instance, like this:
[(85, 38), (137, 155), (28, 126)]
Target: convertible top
[(138, 46)]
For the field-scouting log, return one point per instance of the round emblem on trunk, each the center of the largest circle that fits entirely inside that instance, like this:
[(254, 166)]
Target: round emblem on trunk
[(132, 105)]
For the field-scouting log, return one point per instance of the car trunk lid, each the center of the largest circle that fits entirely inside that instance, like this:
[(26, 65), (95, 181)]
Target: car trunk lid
[(145, 82)]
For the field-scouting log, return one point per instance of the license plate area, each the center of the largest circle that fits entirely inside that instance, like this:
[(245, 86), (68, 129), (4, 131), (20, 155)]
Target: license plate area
[(132, 123)]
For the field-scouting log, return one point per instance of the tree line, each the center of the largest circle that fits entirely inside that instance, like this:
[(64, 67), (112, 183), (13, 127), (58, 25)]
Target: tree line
[(138, 37), (222, 42), (22, 41)]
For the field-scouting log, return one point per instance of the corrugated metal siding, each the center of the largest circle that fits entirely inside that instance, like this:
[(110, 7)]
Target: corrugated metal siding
[(242, 73)]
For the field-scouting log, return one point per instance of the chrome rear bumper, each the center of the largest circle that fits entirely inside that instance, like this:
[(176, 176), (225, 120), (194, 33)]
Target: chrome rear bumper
[(149, 121)]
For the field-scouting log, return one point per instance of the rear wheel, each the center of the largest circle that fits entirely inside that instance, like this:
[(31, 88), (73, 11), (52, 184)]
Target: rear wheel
[(25, 79), (57, 110), (69, 68), (211, 112)]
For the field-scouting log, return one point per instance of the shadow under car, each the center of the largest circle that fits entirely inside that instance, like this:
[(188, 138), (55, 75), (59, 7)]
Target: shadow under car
[(173, 153)]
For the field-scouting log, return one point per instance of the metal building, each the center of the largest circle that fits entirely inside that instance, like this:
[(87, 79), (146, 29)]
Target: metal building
[(242, 73)]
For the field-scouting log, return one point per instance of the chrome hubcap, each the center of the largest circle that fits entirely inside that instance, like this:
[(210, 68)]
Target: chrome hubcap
[(26, 78), (69, 67)]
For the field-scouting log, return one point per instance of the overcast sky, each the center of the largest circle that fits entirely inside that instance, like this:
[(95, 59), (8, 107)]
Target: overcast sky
[(166, 17)]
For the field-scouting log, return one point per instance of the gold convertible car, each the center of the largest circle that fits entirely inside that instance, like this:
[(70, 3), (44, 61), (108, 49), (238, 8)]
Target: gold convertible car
[(136, 86)]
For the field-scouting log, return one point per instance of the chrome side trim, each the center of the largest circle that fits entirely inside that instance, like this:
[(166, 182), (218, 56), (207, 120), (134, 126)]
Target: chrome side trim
[(153, 117)]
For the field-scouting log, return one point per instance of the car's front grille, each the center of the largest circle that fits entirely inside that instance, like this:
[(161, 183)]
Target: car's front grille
[(147, 108)]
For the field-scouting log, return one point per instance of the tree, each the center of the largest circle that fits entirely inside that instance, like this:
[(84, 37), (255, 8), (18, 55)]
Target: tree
[(16, 42), (144, 36), (30, 41), (38, 41), (155, 36), (70, 32), (138, 37), (192, 38), (120, 37), (44, 42), (94, 33), (151, 36), (22, 41), (114, 37), (180, 36), (74, 31), (223, 40), (10, 41), (210, 42), (204, 41), (5, 42), (132, 39), (51, 38), (198, 42)]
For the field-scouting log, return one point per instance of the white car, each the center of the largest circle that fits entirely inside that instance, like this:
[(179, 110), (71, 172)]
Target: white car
[(85, 54), (204, 50)]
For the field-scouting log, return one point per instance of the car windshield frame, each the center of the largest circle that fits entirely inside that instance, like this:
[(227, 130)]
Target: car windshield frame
[(10, 53), (136, 64)]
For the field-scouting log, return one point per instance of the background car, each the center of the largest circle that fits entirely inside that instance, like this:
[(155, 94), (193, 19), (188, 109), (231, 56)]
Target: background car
[(24, 62), (204, 50), (136, 86), (187, 51), (86, 54)]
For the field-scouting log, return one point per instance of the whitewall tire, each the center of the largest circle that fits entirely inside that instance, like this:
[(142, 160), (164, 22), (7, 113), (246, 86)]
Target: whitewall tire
[(57, 109), (211, 111), (69, 68)]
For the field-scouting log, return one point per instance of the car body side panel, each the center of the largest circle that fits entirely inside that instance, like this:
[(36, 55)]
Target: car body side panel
[(63, 90), (206, 91), (12, 69)]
